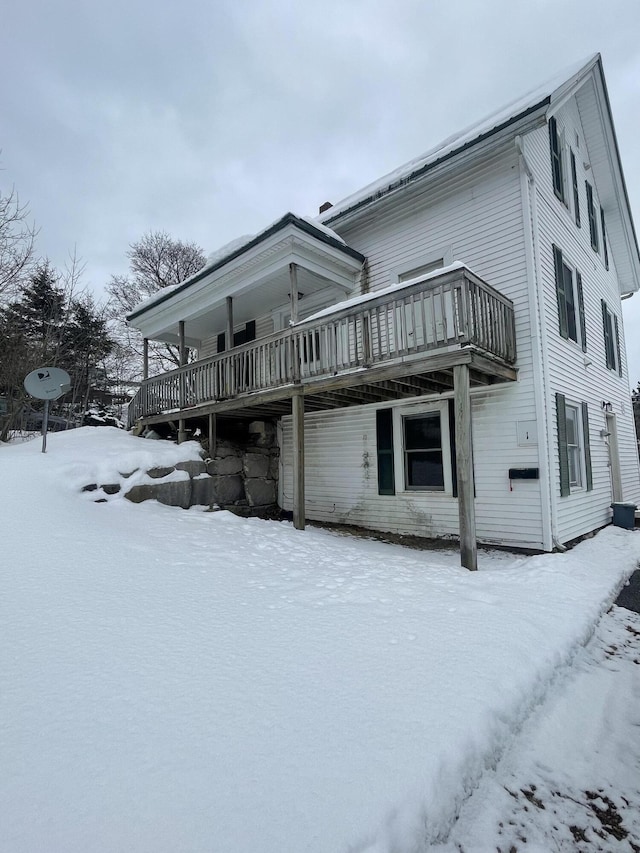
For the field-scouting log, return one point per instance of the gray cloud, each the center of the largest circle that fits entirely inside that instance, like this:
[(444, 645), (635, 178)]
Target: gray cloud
[(210, 119)]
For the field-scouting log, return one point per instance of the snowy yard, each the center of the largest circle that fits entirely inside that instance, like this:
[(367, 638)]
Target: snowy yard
[(189, 681)]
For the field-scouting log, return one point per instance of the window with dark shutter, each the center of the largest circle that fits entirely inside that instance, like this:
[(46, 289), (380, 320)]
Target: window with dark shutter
[(583, 323), (243, 336), (384, 444), (609, 340), (604, 239), (591, 211), (617, 331), (563, 452), (587, 447), (576, 198), (556, 159)]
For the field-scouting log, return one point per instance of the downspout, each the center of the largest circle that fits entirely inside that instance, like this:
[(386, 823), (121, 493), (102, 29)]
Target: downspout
[(540, 356)]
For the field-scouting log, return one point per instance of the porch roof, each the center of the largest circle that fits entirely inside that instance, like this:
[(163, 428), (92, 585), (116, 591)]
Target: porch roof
[(256, 275)]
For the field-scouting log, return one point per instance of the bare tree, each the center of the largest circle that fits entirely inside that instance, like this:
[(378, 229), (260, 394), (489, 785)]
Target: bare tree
[(17, 238), (156, 261)]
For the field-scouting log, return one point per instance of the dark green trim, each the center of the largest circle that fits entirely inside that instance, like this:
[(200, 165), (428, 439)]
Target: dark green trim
[(576, 197), (384, 448), (617, 333), (557, 167), (563, 453), (604, 238), (452, 448), (287, 219), (560, 292), (587, 447), (591, 213), (583, 323)]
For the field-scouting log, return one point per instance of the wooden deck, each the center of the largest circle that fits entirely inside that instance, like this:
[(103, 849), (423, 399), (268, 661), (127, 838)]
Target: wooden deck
[(386, 346)]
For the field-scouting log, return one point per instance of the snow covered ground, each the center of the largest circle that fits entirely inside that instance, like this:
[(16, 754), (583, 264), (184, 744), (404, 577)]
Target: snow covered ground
[(189, 681)]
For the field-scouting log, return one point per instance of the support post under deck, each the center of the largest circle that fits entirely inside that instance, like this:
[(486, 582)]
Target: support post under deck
[(464, 467), (297, 410)]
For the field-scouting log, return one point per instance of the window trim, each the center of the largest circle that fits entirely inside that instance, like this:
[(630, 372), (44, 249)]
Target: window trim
[(603, 229), (399, 414), (582, 431), (575, 449), (562, 266), (591, 213), (403, 272), (576, 195), (611, 337), (556, 146)]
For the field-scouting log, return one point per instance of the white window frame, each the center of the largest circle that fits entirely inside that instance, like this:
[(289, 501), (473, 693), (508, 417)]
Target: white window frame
[(399, 414), (414, 267), (566, 262), (575, 450)]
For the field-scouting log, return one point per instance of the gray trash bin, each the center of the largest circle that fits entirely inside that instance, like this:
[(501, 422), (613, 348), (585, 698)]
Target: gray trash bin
[(624, 515)]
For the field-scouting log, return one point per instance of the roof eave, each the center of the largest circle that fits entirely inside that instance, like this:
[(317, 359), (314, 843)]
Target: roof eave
[(279, 225)]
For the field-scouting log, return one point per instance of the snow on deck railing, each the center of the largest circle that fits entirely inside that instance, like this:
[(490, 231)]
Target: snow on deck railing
[(453, 308)]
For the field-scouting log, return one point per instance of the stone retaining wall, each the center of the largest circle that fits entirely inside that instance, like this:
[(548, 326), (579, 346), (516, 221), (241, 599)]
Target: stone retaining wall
[(239, 477)]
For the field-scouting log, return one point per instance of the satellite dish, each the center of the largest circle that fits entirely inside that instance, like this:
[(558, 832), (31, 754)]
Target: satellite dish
[(47, 383)]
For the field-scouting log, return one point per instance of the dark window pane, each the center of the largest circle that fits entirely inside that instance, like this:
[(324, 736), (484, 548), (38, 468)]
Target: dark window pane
[(424, 469), (422, 432)]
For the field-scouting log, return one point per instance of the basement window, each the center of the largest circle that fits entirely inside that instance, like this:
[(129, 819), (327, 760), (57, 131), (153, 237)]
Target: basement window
[(423, 451)]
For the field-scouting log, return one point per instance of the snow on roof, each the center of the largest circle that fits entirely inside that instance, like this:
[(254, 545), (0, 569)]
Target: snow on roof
[(562, 80), (374, 294), (228, 249), (219, 256)]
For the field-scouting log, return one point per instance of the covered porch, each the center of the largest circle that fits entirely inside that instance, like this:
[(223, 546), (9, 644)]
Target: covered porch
[(448, 330)]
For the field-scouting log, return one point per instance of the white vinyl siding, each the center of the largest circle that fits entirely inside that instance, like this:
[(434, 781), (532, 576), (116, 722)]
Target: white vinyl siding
[(264, 327), (580, 375), (341, 481), (476, 218)]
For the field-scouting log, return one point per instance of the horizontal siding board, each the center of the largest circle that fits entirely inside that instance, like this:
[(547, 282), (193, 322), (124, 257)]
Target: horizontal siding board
[(580, 376), (342, 485)]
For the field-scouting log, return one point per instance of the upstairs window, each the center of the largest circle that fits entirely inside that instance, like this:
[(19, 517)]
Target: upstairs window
[(611, 334), (241, 337), (570, 300), (557, 168), (591, 210), (604, 239), (576, 197)]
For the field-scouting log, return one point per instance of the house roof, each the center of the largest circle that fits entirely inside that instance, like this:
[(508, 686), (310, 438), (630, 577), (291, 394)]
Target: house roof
[(545, 99), (453, 145), (238, 247)]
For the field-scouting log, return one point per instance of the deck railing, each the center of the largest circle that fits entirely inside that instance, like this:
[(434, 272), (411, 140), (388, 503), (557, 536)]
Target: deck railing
[(456, 308)]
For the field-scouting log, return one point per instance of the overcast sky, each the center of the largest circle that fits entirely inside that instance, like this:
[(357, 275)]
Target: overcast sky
[(210, 119)]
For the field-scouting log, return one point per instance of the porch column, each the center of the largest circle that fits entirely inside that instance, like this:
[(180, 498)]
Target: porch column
[(182, 433), (182, 348), (464, 467), (145, 358), (229, 323), (293, 295), (297, 410)]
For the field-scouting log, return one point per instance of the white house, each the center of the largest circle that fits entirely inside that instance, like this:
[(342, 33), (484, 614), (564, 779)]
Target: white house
[(443, 352)]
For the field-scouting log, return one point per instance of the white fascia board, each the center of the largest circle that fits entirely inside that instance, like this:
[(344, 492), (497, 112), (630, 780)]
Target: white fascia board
[(440, 171), (245, 273)]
